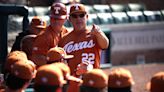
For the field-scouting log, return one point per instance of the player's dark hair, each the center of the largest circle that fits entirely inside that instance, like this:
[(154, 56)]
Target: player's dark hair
[(47, 88), (92, 89), (124, 89), (14, 82)]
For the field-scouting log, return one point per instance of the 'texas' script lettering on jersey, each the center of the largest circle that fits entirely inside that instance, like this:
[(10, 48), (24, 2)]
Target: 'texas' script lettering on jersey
[(71, 46)]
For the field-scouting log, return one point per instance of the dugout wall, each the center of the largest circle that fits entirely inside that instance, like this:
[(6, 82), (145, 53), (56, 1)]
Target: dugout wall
[(5, 11)]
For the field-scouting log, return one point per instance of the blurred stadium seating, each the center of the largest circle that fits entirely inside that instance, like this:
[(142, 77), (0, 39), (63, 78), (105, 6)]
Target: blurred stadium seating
[(101, 14), (120, 17), (118, 7), (90, 9), (136, 6), (93, 19), (153, 16), (101, 8), (105, 18), (136, 16)]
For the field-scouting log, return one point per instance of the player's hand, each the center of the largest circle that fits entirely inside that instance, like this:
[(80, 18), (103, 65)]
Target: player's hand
[(101, 38), (95, 30), (83, 68)]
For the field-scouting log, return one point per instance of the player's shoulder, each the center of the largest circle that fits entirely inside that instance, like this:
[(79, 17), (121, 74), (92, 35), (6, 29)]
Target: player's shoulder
[(68, 34), (42, 37), (45, 33)]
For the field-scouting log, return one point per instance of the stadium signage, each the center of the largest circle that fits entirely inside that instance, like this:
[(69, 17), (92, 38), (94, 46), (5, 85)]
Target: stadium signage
[(137, 40)]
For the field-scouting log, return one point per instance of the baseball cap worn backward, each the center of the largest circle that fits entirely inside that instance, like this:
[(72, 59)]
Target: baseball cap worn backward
[(24, 69), (58, 11), (119, 78), (95, 78), (57, 53), (49, 75), (66, 72), (37, 22), (157, 83), (77, 8)]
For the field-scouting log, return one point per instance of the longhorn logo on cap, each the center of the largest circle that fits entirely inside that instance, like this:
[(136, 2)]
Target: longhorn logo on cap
[(57, 10), (41, 22), (76, 7), (118, 83)]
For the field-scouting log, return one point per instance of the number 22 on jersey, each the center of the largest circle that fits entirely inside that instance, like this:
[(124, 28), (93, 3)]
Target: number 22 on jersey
[(90, 57)]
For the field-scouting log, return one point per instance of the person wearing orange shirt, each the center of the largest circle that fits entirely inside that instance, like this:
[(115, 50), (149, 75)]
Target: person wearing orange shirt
[(53, 33), (84, 43)]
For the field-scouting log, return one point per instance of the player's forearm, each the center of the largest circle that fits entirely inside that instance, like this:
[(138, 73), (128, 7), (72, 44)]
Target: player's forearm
[(102, 40)]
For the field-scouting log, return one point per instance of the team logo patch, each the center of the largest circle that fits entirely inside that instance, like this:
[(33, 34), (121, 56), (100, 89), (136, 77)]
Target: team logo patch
[(76, 7), (118, 83), (57, 9), (41, 22)]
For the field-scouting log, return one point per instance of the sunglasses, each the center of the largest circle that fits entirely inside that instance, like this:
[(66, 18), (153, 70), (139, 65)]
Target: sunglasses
[(77, 15)]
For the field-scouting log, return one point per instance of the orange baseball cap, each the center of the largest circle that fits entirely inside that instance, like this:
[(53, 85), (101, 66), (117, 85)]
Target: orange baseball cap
[(77, 8), (14, 57), (66, 72), (119, 78), (157, 83), (37, 22), (17, 54), (58, 11), (24, 69), (95, 78), (57, 53), (49, 75)]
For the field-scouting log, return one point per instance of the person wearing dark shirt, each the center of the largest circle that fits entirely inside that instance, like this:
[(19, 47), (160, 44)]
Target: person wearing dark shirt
[(36, 26)]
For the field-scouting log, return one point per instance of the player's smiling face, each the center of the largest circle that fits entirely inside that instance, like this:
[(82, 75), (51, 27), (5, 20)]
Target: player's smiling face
[(78, 20)]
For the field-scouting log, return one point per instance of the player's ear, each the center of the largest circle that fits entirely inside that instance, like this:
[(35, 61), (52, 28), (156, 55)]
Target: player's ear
[(87, 16)]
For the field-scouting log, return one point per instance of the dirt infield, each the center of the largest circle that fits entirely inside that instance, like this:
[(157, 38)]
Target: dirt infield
[(141, 74)]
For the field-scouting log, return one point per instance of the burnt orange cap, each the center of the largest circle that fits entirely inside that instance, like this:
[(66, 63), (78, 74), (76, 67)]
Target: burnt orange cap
[(24, 69), (17, 54), (120, 77), (95, 78), (14, 57), (57, 53), (77, 8), (37, 22), (157, 83), (49, 75)]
